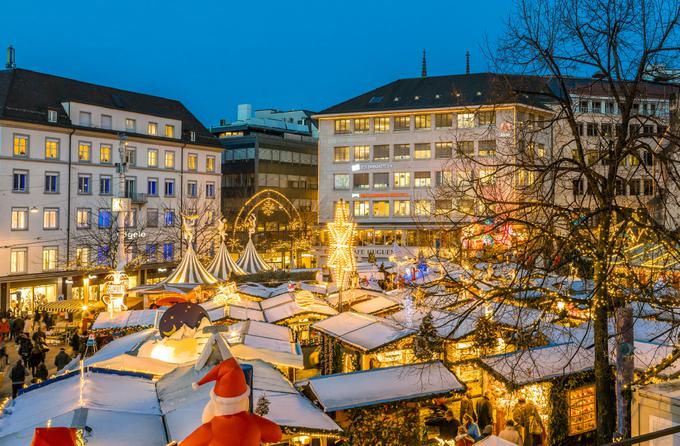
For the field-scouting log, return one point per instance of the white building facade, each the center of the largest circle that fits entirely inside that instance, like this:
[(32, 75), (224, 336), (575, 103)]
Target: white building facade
[(62, 144)]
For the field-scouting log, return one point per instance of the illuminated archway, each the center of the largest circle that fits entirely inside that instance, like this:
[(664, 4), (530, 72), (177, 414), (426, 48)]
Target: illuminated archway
[(268, 201)]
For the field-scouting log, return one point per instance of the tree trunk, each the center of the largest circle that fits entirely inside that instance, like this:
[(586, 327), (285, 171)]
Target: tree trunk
[(606, 414)]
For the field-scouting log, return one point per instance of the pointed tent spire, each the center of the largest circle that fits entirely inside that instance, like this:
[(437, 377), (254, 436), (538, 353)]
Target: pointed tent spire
[(423, 72)]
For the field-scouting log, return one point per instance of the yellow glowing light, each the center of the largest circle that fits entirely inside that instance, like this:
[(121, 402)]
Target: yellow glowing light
[(341, 250)]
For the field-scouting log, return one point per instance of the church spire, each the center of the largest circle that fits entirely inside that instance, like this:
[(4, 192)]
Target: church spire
[(423, 72)]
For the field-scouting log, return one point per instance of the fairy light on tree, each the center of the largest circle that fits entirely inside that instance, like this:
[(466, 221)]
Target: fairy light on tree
[(341, 261)]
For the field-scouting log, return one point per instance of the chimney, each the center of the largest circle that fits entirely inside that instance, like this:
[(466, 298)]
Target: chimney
[(467, 62), (244, 112), (423, 70), (11, 64)]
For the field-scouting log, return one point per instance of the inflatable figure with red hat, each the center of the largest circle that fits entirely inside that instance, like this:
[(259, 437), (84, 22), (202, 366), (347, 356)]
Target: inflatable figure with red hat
[(226, 418)]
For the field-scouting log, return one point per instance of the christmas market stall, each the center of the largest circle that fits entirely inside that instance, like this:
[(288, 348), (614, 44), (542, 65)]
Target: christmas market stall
[(273, 396), (385, 406), (98, 404)]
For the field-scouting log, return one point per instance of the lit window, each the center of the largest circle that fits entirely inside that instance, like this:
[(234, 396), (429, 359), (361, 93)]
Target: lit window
[(402, 123), (82, 256), (362, 153), (465, 120), (402, 152), (341, 154), (443, 150), (17, 260), (50, 218), (421, 179), (341, 181), (402, 208), (82, 218), (192, 161), (361, 125), (49, 258), (131, 125), (20, 145), (487, 118), (443, 120), (84, 149), (19, 219), (361, 208), (105, 154), (152, 128), (423, 122), (152, 158), (169, 160), (381, 208), (381, 125), (341, 126), (51, 149), (170, 131), (581, 403), (402, 179), (422, 207), (210, 164), (422, 151)]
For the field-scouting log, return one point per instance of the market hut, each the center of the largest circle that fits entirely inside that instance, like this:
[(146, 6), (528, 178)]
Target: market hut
[(382, 406)]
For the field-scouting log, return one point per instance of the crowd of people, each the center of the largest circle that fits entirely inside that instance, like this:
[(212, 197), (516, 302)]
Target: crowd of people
[(523, 425)]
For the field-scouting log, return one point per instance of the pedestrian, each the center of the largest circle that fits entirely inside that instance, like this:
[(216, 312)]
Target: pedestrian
[(62, 359), (471, 426), (18, 376), (41, 372), (488, 431), (463, 439), (448, 425), (37, 356), (466, 407), (484, 410), (510, 433), (525, 414)]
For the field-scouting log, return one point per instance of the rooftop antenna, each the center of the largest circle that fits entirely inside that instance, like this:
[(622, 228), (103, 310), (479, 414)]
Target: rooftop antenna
[(467, 62), (10, 58), (423, 72)]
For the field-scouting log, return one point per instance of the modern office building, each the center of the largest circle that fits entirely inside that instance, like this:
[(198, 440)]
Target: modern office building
[(62, 144), (270, 150), (387, 152)]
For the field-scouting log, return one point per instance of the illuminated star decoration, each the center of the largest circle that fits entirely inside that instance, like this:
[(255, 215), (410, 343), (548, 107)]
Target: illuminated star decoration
[(341, 253)]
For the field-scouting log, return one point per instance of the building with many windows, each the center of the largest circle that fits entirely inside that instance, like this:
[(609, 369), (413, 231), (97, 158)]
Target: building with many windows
[(270, 150), (389, 152), (62, 144)]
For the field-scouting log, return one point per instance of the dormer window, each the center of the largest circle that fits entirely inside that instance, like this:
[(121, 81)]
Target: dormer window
[(192, 136), (51, 116)]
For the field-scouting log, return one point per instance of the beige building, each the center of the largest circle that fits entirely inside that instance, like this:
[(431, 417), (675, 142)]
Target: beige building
[(62, 144)]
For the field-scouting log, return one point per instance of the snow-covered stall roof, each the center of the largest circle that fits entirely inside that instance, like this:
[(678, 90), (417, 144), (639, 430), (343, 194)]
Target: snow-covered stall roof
[(183, 406), (379, 386), (125, 319), (111, 401), (363, 331), (259, 340)]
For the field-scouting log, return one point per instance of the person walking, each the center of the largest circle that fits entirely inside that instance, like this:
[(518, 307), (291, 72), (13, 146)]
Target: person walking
[(471, 426), (510, 433), (62, 359), (484, 410), (18, 376), (466, 407), (525, 413)]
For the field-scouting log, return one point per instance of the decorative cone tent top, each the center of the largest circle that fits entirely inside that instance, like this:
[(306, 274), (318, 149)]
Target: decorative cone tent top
[(250, 261), (223, 265)]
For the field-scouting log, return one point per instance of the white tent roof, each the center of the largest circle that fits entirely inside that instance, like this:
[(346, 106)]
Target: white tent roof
[(250, 261), (129, 318), (362, 331), (378, 386), (288, 408), (223, 266), (111, 400)]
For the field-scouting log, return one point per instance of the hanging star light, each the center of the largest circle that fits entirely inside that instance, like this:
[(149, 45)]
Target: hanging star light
[(341, 253)]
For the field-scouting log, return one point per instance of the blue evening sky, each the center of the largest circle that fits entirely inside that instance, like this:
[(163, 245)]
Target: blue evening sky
[(215, 54)]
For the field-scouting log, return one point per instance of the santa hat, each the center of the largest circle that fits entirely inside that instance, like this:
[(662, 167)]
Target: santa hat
[(231, 393)]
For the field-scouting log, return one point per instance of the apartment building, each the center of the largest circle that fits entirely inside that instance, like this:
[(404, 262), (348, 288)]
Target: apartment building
[(62, 144), (387, 152), (270, 149)]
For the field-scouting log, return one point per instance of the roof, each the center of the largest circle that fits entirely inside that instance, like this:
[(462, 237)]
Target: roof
[(378, 386), (27, 95), (458, 90), (362, 331)]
